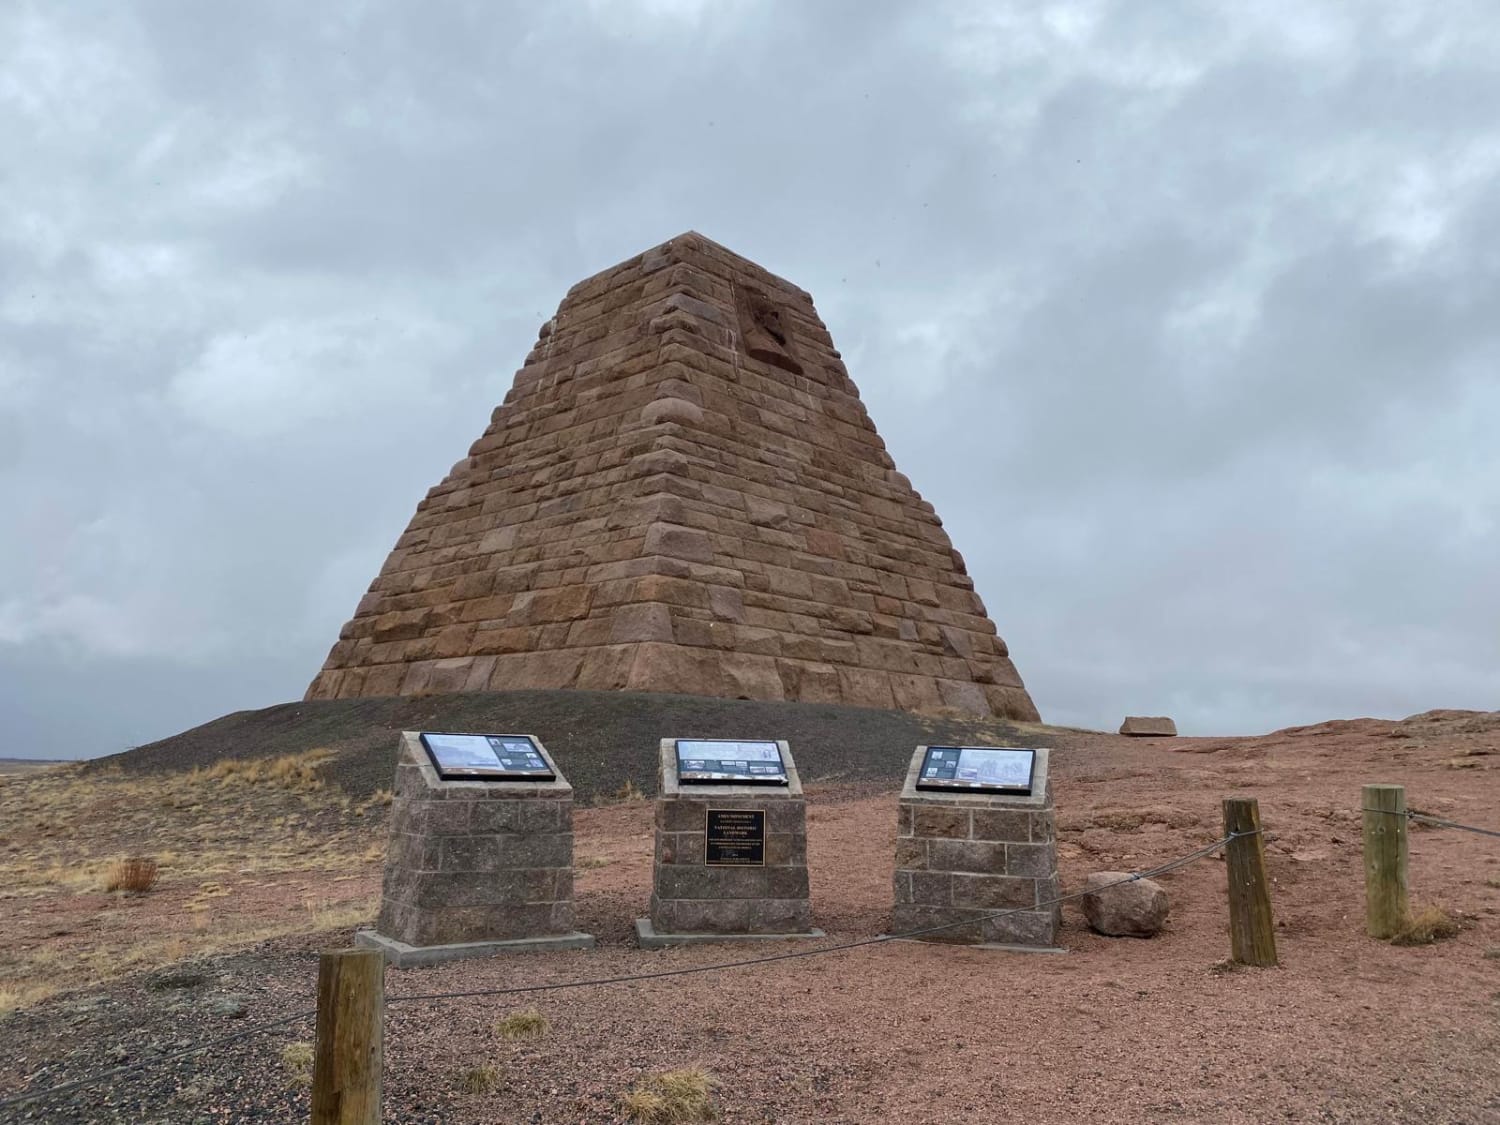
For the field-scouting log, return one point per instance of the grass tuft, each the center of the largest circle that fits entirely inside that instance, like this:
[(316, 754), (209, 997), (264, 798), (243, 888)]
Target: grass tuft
[(672, 1098), (137, 874), (13, 999), (530, 1024), (297, 1058), (1426, 926), (483, 1079), (290, 771)]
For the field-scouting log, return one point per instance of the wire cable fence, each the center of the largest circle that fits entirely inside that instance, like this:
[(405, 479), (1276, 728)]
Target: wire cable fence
[(19, 1100), (1434, 821)]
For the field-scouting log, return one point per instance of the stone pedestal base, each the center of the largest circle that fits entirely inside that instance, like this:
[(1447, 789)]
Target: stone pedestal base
[(646, 935), (399, 955), (692, 897), (476, 861), (983, 866)]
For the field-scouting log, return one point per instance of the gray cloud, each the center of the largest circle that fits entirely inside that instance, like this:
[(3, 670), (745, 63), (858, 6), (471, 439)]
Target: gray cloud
[(1181, 314)]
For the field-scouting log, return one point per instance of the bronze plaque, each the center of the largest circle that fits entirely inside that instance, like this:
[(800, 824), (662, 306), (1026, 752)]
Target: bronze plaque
[(736, 838)]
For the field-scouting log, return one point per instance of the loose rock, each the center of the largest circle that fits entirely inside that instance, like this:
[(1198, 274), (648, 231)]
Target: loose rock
[(1149, 726), (1137, 909)]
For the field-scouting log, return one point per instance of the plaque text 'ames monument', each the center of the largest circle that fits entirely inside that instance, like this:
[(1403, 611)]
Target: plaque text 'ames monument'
[(681, 493)]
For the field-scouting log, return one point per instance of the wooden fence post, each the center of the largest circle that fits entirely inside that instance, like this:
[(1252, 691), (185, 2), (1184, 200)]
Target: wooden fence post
[(1252, 936), (348, 1056), (1385, 859)]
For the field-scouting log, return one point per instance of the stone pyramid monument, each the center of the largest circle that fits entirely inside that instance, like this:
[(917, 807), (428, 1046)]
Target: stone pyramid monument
[(682, 492)]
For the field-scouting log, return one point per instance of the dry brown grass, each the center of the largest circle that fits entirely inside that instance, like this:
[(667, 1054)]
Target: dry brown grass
[(218, 838), (1427, 925), (136, 874), (298, 772), (672, 1098), (297, 1060), (628, 793), (483, 1079), (530, 1024), (23, 996)]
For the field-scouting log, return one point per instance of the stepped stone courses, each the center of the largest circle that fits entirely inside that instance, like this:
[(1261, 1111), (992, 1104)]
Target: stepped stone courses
[(682, 492)]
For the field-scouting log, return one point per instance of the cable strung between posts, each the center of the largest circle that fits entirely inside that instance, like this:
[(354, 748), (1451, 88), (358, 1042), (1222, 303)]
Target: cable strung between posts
[(82, 1083), (1436, 822), (1173, 865), (161, 1060)]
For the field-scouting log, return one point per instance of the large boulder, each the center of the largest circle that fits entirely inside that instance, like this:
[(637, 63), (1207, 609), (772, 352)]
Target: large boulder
[(1137, 909), (1149, 726)]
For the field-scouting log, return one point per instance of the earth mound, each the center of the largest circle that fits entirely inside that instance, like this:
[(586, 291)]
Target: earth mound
[(602, 740)]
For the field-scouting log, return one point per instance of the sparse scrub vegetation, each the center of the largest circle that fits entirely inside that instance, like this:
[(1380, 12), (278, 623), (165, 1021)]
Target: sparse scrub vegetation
[(298, 772), (530, 1024), (1426, 926), (297, 1059), (22, 996), (483, 1079), (134, 874), (673, 1098), (211, 839)]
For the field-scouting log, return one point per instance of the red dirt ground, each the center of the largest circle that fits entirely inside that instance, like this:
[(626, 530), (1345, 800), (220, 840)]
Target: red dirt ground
[(1118, 1030)]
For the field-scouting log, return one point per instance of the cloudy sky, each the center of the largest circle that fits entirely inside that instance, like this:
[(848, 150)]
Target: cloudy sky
[(1186, 316)]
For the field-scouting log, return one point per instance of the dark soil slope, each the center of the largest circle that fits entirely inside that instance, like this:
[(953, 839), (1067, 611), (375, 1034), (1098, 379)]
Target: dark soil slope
[(600, 739)]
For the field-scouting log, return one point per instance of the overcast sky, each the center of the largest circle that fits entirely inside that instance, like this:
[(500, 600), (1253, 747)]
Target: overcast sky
[(1186, 317)]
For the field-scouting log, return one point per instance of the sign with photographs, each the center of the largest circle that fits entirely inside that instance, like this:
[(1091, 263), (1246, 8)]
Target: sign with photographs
[(486, 757), (735, 838), (981, 769), (723, 762)]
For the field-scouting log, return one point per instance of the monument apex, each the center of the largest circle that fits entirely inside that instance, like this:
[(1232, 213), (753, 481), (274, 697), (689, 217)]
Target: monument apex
[(682, 492)]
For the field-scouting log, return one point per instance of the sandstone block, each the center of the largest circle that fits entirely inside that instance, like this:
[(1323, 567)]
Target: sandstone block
[(642, 621), (726, 603), (1149, 726), (677, 410), (678, 542)]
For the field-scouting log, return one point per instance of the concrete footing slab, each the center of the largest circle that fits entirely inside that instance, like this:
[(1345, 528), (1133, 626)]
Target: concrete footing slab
[(399, 955), (648, 938), (1002, 947)]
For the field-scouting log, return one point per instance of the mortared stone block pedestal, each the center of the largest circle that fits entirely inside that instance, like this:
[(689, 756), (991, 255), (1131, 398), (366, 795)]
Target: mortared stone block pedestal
[(475, 868), (693, 901), (984, 865)]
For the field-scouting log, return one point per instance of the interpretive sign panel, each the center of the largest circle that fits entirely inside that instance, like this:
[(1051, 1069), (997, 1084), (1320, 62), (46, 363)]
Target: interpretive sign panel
[(982, 769), (486, 757), (735, 838), (723, 762)]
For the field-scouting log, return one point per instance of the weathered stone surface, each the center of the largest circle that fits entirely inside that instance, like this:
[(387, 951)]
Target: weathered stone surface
[(1134, 909), (1149, 726), (475, 861), (691, 897), (682, 450), (983, 866)]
